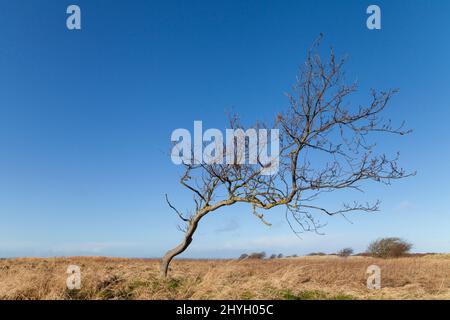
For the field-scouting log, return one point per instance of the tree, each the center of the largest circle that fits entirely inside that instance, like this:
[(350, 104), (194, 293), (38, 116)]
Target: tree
[(325, 145), (389, 248), (346, 252)]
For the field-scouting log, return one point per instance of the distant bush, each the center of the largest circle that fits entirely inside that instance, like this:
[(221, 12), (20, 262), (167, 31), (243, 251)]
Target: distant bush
[(280, 255), (346, 252), (257, 255), (389, 248), (273, 256), (254, 255), (317, 254)]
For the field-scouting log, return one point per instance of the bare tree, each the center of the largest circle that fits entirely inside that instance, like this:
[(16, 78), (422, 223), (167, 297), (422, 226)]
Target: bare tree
[(326, 144)]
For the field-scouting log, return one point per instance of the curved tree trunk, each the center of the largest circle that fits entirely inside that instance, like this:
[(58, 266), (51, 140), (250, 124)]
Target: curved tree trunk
[(164, 267)]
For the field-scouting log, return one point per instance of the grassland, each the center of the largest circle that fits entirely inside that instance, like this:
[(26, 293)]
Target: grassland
[(326, 277)]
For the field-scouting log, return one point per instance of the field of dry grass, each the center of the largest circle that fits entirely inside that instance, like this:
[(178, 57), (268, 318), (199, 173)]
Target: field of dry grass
[(296, 278)]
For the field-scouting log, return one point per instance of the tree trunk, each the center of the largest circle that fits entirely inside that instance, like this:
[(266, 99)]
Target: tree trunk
[(164, 267)]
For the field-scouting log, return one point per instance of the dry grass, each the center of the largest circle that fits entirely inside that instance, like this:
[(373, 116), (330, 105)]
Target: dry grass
[(297, 278)]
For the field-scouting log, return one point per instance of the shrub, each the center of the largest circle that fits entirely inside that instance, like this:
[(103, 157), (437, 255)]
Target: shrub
[(346, 252), (257, 255), (254, 255), (317, 254), (389, 248), (273, 256), (280, 255)]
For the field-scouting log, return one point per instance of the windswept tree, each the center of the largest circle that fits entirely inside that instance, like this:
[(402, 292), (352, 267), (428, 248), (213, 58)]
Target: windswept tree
[(325, 144), (389, 248)]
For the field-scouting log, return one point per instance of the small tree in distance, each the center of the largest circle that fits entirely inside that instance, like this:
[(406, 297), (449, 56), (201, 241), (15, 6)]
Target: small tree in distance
[(319, 123), (346, 252), (389, 248)]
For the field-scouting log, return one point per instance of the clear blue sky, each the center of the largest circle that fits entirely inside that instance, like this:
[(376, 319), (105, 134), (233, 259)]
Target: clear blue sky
[(86, 118)]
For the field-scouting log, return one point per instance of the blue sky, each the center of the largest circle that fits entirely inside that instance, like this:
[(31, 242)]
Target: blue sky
[(86, 118)]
